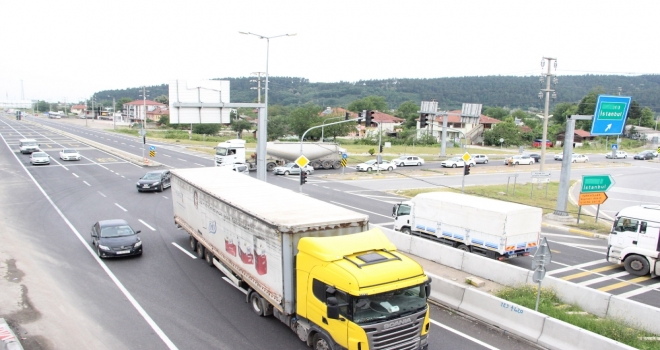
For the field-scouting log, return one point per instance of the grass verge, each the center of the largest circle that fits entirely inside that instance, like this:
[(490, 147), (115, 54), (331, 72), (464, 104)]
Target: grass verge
[(551, 305)]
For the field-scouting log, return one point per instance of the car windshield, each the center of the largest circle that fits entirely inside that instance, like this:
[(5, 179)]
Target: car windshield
[(378, 307), (69, 151), (402, 157), (39, 154), (455, 159), (151, 176), (370, 162), (289, 165), (116, 231)]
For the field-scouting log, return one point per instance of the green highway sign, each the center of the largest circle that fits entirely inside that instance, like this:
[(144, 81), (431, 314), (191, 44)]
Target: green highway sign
[(596, 183)]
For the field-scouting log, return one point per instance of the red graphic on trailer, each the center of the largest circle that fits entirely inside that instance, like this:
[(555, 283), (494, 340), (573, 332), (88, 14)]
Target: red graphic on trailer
[(260, 251), (245, 252), (230, 245)]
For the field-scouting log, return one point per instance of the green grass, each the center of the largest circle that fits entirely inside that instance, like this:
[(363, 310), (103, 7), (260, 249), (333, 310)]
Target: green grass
[(528, 194), (551, 305)]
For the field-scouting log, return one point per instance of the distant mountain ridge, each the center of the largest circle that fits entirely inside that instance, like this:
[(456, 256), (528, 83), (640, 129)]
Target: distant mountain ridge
[(505, 91)]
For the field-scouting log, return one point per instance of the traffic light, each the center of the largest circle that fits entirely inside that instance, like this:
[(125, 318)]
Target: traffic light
[(368, 117), (348, 115), (361, 116), (466, 170), (380, 149), (423, 120), (303, 177)]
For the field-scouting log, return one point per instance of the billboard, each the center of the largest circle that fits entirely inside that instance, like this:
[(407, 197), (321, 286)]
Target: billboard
[(197, 101)]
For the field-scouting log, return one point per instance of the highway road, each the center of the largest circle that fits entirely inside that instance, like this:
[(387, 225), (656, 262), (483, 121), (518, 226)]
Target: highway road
[(165, 299)]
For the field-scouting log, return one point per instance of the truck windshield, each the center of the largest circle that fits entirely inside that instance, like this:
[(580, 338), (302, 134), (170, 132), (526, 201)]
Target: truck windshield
[(29, 144), (403, 210), (221, 151), (389, 305)]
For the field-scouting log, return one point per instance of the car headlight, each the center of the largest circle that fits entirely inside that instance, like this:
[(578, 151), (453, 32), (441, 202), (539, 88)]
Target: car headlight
[(103, 247), (137, 184), (156, 184), (138, 244)]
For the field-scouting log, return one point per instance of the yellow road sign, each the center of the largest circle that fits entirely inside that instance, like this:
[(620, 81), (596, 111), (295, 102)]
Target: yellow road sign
[(466, 157), (343, 162), (152, 154), (302, 161), (593, 198)]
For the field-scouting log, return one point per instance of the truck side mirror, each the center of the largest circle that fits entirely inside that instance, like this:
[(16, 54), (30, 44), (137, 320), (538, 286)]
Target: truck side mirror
[(333, 308), (394, 211), (427, 288)]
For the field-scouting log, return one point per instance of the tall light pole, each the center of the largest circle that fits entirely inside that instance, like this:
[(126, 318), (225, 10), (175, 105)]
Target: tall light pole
[(114, 122), (262, 135), (144, 119), (547, 92)]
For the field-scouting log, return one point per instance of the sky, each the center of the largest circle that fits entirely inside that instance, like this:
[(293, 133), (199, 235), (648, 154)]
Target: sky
[(66, 50)]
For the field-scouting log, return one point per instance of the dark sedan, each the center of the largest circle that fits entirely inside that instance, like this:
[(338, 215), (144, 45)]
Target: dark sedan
[(644, 156), (535, 156), (157, 180), (115, 238)]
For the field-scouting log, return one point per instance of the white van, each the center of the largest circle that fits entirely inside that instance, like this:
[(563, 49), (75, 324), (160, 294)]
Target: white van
[(635, 240), (28, 145)]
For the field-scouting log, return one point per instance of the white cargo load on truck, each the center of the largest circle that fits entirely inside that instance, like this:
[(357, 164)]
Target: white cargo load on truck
[(253, 228), (490, 227), (324, 155)]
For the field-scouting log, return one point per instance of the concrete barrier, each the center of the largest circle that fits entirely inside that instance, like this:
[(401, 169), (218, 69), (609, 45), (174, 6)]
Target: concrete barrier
[(437, 252), (494, 270), (447, 292), (635, 314), (563, 336), (400, 240), (513, 318), (8, 340), (590, 300)]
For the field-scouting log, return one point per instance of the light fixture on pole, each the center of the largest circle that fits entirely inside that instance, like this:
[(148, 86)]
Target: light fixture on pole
[(262, 135)]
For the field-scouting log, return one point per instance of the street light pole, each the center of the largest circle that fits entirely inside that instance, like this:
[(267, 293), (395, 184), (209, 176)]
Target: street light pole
[(546, 111), (114, 123), (262, 125)]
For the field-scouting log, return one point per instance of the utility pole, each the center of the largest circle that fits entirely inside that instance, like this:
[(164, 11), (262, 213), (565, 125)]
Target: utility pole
[(258, 81), (144, 119), (546, 111)]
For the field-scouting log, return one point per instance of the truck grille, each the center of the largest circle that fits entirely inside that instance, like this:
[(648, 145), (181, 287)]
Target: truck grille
[(400, 334)]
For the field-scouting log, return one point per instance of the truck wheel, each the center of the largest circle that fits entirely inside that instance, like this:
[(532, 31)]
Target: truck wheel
[(336, 164), (255, 302), (193, 243), (405, 230), (327, 164), (636, 265), (200, 250), (270, 166), (321, 342), (464, 248), (208, 256)]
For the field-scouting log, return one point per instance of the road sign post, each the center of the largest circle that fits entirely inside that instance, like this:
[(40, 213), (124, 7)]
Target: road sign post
[(593, 191), (542, 258)]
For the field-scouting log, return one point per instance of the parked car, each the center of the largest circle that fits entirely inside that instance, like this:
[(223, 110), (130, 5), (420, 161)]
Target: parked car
[(456, 162), (115, 238), (69, 154), (480, 158), (39, 158), (293, 169), (579, 158), (372, 165), (157, 180), (644, 155), (517, 160), (535, 156), (408, 160), (617, 155)]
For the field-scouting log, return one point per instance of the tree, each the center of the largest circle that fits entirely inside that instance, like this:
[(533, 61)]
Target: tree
[(164, 120), (647, 118), (408, 111), (561, 110), (121, 102), (42, 106), (374, 103), (506, 130), (587, 106), (278, 126), (239, 125), (496, 112), (207, 129), (333, 131), (303, 118), (163, 99)]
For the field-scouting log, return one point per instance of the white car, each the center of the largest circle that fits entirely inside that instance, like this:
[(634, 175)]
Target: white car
[(480, 158), (456, 162), (559, 156), (69, 154), (579, 158), (39, 158), (293, 169), (516, 160), (408, 160), (372, 165), (617, 155)]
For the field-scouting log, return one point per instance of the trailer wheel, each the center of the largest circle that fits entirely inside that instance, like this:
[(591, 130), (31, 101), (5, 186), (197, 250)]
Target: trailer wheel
[(321, 342), (327, 164), (636, 265), (464, 248), (200, 250), (405, 230), (255, 302), (193, 243), (336, 164), (270, 166), (208, 256)]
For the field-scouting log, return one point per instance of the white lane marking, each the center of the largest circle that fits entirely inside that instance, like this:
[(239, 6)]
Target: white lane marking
[(166, 155), (74, 174), (165, 197), (183, 160), (105, 268), (567, 236), (132, 145), (360, 209), (199, 164), (120, 207), (123, 143), (183, 250), (604, 278), (86, 183), (123, 176), (575, 267), (638, 291), (145, 224), (101, 193), (485, 345), (118, 174), (577, 247)]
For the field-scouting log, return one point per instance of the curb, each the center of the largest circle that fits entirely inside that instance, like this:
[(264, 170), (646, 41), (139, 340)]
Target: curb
[(576, 231)]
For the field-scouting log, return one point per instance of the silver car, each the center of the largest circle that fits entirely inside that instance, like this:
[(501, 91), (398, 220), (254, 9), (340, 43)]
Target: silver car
[(292, 168), (408, 160), (39, 158)]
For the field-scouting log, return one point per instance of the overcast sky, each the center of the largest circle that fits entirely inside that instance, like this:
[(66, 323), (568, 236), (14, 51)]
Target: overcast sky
[(69, 49)]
